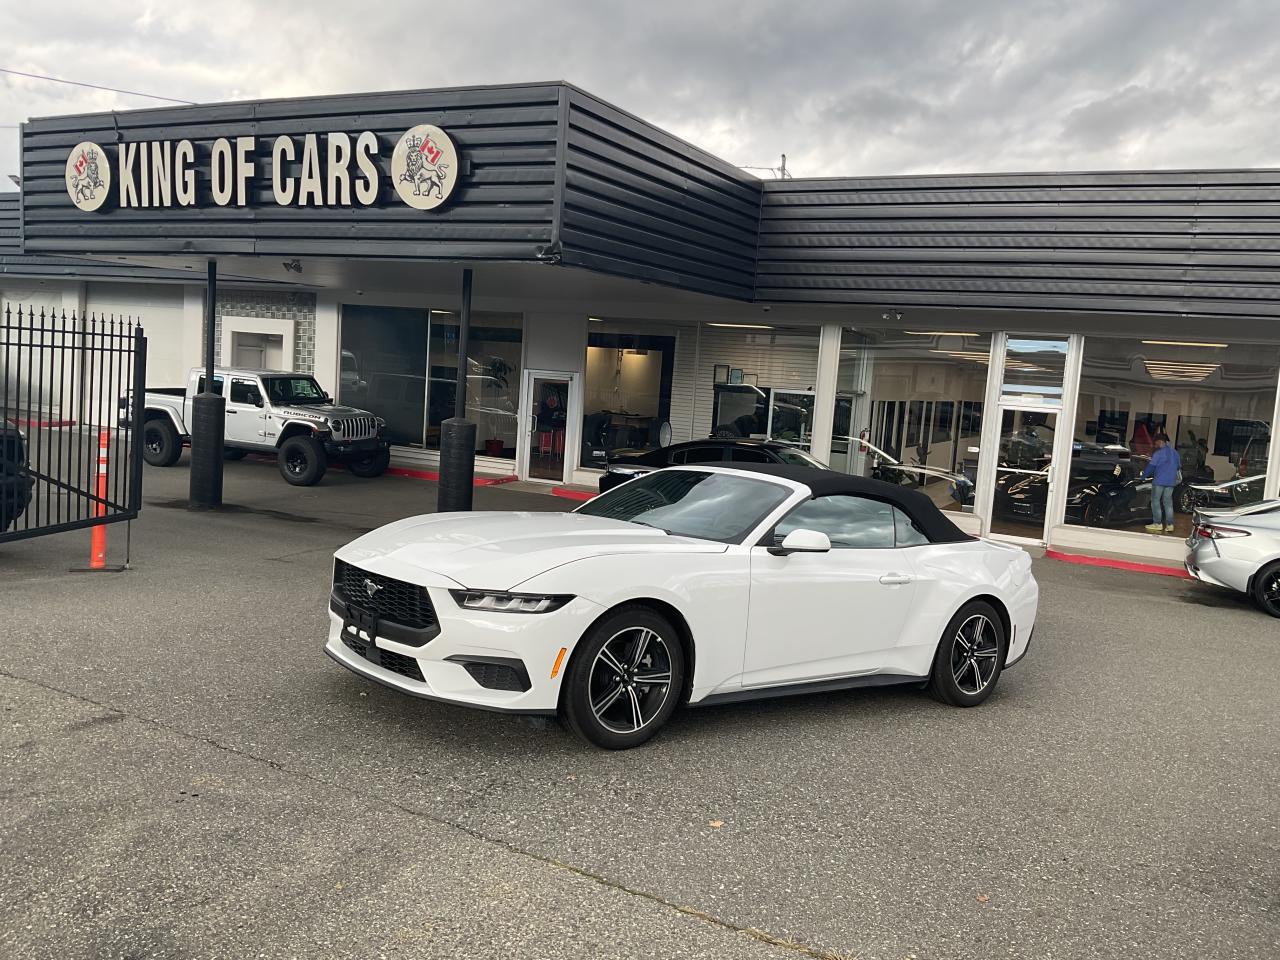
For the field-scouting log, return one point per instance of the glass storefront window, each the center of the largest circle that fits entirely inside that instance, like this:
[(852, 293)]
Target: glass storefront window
[(909, 410), (1209, 403), (627, 390), (1034, 369), (383, 367), (493, 379)]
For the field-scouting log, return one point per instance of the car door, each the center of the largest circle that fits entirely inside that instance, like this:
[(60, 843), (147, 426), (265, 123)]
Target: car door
[(244, 415), (815, 616)]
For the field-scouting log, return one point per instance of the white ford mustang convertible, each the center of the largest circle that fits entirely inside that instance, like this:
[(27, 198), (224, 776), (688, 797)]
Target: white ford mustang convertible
[(692, 585)]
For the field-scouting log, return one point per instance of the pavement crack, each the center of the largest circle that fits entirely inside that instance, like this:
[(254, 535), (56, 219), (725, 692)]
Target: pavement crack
[(115, 715)]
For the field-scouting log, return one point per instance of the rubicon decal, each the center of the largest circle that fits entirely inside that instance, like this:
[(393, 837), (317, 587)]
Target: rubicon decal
[(333, 169), (88, 176)]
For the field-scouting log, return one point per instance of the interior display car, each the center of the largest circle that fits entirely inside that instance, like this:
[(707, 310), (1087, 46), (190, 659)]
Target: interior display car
[(692, 585), (1239, 548), (710, 451)]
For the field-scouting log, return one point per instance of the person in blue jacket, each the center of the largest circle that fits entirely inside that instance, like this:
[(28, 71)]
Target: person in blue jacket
[(1163, 469)]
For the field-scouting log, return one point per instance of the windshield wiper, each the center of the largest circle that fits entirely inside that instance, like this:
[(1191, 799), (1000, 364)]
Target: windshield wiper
[(652, 526)]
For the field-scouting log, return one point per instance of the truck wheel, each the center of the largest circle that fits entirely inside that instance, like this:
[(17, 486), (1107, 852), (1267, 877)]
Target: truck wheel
[(161, 446), (370, 464), (232, 453), (302, 461)]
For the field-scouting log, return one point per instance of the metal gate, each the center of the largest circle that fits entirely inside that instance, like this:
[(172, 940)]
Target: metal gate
[(69, 389)]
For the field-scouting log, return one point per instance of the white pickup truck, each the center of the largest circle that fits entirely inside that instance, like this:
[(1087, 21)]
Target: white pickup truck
[(269, 411)]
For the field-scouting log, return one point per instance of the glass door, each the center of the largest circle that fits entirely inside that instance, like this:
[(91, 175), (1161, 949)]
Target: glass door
[(545, 407), (1020, 507)]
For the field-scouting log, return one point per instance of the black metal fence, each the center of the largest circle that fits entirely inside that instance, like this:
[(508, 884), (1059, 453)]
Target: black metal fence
[(68, 458)]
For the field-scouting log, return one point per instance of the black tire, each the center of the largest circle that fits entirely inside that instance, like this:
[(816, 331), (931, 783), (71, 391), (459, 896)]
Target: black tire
[(1098, 514), (161, 445), (591, 681), (1266, 589), (371, 464), (302, 461), (964, 659), (233, 453)]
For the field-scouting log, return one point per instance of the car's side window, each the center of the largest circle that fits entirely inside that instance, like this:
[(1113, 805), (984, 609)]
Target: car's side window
[(217, 385), (244, 391), (749, 455), (907, 532), (699, 455), (850, 522)]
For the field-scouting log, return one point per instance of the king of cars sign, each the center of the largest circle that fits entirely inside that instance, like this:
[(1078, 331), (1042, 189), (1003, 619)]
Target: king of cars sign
[(309, 170)]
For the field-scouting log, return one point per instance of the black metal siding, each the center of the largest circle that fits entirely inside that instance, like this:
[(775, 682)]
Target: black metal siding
[(10, 225), (502, 210), (641, 203), (1197, 242)]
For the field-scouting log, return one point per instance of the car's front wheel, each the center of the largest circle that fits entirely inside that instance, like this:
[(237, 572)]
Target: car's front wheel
[(1266, 589), (302, 461), (970, 656), (161, 445), (625, 679)]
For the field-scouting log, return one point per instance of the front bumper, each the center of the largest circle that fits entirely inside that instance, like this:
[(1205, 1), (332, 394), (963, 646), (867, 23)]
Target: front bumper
[(354, 448), (451, 660)]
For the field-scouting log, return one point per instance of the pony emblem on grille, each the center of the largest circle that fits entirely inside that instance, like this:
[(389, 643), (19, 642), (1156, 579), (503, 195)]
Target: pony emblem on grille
[(372, 588)]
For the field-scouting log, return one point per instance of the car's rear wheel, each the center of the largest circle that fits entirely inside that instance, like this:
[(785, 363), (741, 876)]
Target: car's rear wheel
[(625, 679), (370, 464), (161, 446), (302, 461), (970, 656), (1266, 589)]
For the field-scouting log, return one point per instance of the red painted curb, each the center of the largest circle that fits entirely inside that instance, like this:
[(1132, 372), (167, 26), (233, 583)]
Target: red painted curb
[(1118, 564), (435, 476), (42, 424), (567, 494)]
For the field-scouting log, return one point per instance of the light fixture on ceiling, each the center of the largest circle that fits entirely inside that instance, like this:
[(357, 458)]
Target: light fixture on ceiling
[(742, 326), (937, 333), (595, 319), (894, 316), (1185, 343), (1179, 372)]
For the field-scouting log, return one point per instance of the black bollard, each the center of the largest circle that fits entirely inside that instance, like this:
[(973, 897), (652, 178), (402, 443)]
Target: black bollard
[(208, 414), (457, 465)]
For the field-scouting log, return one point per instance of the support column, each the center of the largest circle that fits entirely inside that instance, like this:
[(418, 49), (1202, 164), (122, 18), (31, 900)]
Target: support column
[(457, 434), (208, 415), (824, 403)]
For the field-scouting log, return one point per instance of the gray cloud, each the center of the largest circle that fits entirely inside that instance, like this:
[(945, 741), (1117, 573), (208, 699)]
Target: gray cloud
[(912, 86)]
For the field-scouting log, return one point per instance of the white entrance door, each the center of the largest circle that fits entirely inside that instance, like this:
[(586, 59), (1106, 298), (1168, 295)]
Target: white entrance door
[(549, 411)]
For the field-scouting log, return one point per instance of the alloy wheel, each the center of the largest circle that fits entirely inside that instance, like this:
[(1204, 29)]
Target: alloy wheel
[(630, 680), (296, 463), (1270, 594), (974, 655), (153, 442)]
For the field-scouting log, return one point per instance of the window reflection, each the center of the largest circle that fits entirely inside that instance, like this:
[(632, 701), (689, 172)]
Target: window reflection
[(627, 391)]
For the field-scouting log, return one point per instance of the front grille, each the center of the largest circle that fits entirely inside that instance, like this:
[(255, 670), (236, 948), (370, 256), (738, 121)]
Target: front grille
[(394, 601), (354, 428), (395, 662)]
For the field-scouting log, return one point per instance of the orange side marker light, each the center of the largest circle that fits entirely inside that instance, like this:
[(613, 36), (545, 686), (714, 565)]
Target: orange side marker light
[(555, 670)]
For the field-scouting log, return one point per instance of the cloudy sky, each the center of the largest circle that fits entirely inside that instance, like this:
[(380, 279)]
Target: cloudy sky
[(907, 86)]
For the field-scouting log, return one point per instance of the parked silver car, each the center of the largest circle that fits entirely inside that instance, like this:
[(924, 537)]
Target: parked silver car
[(1239, 548)]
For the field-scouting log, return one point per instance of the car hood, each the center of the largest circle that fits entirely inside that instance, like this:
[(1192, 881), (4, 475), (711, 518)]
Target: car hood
[(499, 551), (321, 411)]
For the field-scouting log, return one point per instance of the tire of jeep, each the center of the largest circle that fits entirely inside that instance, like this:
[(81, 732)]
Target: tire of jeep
[(232, 453), (302, 461), (161, 446), (371, 464)]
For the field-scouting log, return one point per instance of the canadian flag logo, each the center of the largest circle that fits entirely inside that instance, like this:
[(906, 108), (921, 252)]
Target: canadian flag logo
[(431, 150)]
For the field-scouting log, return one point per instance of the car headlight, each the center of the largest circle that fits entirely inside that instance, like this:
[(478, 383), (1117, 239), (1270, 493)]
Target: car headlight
[(336, 426), (502, 602)]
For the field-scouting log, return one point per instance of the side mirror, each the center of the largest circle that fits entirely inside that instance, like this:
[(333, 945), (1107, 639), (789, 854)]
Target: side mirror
[(802, 541), (257, 400)]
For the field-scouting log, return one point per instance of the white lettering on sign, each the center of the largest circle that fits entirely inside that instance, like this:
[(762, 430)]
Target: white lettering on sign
[(336, 171), (220, 171), (184, 176), (366, 150), (281, 186)]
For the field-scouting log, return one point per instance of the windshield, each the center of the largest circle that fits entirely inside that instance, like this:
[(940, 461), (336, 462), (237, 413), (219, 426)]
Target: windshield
[(798, 458), (709, 506), (293, 390)]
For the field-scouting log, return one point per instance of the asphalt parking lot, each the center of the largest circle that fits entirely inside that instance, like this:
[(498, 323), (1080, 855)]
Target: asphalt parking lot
[(187, 775)]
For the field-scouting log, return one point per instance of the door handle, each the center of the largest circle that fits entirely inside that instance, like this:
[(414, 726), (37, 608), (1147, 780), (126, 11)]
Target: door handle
[(895, 579), (230, 411)]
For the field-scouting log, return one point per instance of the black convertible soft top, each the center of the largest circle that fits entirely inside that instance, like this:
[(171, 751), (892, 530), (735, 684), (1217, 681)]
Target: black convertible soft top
[(932, 522)]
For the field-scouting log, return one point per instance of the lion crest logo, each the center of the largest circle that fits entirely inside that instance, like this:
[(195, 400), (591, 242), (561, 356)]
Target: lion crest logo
[(424, 167), (88, 176)]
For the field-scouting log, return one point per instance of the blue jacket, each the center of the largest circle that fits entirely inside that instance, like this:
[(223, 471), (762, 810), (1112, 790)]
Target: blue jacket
[(1164, 466)]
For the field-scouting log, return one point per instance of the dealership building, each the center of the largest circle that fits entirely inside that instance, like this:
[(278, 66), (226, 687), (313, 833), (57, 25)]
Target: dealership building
[(1012, 343)]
